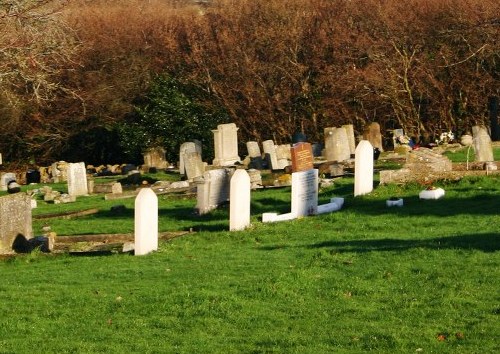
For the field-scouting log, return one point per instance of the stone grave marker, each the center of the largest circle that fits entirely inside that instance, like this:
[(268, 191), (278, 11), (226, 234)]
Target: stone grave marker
[(193, 165), (146, 222), (239, 201), (155, 157), (226, 145), (336, 144), (77, 179), (59, 171), (482, 144), (270, 154), (302, 157), (305, 193), (1, 159), (184, 149), (363, 168), (255, 155), (15, 222), (212, 190), (283, 155), (349, 128), (5, 178), (373, 135)]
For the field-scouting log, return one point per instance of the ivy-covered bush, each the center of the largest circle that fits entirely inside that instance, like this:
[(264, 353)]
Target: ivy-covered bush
[(170, 114)]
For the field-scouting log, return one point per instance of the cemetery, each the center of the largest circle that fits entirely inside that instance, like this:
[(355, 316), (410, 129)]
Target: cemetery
[(253, 176), (306, 232)]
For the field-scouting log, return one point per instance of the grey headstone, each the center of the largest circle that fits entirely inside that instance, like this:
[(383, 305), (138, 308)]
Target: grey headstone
[(482, 144), (15, 222), (77, 179)]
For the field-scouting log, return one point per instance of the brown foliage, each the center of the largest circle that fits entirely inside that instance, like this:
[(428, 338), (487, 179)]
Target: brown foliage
[(276, 66)]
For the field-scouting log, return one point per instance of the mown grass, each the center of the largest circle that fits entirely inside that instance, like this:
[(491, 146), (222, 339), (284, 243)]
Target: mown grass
[(422, 278)]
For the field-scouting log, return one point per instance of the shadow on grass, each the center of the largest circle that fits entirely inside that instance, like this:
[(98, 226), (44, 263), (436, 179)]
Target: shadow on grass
[(489, 242)]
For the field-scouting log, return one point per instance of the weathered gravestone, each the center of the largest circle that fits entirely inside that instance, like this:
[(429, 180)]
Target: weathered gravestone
[(270, 154), (373, 135), (5, 178), (193, 165), (283, 155), (146, 222), (302, 157), (15, 222), (349, 128), (226, 145), (77, 179), (239, 201), (255, 155), (363, 168), (1, 159), (59, 171), (185, 148), (212, 190), (336, 144), (155, 157), (482, 144), (112, 187)]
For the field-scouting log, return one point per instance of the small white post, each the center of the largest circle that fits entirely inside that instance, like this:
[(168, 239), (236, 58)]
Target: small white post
[(363, 168), (146, 222), (239, 201)]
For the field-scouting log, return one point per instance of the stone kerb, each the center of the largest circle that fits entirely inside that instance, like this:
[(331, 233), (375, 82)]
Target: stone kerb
[(363, 168), (146, 222), (77, 179), (239, 201), (15, 221)]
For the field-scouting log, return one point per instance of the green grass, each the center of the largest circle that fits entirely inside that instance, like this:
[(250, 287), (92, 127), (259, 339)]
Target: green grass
[(461, 154), (422, 278)]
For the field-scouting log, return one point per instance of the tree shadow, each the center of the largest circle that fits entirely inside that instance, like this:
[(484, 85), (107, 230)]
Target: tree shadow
[(488, 242)]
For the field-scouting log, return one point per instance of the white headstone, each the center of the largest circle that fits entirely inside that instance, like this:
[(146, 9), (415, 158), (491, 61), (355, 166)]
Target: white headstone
[(253, 149), (363, 168), (77, 179), (239, 201), (270, 154), (226, 145), (305, 193), (146, 222)]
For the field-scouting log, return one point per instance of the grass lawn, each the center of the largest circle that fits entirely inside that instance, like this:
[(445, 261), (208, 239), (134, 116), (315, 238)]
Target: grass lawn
[(424, 278)]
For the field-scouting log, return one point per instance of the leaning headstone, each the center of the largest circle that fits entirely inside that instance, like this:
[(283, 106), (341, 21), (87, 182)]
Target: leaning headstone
[(15, 222), (193, 165), (5, 178), (226, 145), (363, 168), (184, 149), (239, 201), (155, 157), (373, 135), (146, 222), (212, 190), (349, 128), (482, 144), (255, 155), (305, 193), (270, 154), (77, 179), (302, 157)]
